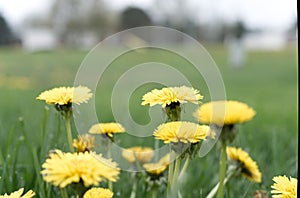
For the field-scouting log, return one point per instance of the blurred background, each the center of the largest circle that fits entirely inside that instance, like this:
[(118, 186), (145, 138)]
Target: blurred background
[(50, 24)]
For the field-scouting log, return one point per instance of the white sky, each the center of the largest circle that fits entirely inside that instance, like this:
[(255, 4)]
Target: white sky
[(272, 14)]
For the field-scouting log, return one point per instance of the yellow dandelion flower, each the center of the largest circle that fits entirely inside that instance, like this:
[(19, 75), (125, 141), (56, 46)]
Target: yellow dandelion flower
[(165, 160), (187, 94), (159, 167), (140, 154), (284, 187), (185, 132), (166, 96), (98, 193), (247, 166), (84, 143), (155, 168), (62, 169), (224, 113), (66, 95), (18, 194), (107, 128)]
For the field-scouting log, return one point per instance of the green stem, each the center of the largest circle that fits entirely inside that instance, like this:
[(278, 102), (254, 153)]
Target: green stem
[(175, 187), (63, 193), (214, 190), (110, 184), (173, 111), (222, 172), (1, 159), (154, 192), (69, 132), (170, 173), (186, 164), (134, 188), (156, 147), (44, 126)]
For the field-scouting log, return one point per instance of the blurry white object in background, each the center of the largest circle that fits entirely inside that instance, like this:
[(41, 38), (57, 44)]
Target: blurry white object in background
[(237, 52), (265, 40), (39, 39)]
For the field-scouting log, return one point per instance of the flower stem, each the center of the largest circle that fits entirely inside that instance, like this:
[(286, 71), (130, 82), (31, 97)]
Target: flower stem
[(186, 164), (154, 192), (214, 190), (110, 184), (69, 132), (63, 193), (173, 111), (44, 126), (170, 173), (134, 188), (222, 172), (175, 176)]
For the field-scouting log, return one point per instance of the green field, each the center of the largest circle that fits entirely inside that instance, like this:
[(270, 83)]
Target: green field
[(267, 82)]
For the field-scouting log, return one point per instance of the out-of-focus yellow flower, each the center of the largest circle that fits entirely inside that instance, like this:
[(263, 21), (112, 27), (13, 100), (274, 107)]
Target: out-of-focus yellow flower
[(224, 113), (84, 143), (62, 169), (284, 187), (107, 128), (185, 132), (245, 163), (166, 96), (66, 95), (155, 168), (165, 160), (18, 194), (98, 193), (140, 154), (159, 167)]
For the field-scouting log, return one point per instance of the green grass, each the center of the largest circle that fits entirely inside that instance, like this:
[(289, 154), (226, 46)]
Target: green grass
[(268, 83)]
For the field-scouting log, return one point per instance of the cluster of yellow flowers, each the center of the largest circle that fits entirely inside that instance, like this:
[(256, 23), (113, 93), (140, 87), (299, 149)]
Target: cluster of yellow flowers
[(223, 114), (84, 167), (88, 169)]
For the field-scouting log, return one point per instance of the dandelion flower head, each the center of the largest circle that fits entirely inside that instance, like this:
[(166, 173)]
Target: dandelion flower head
[(168, 95), (98, 193), (242, 159), (155, 168), (107, 128), (66, 95), (84, 143), (18, 194), (224, 113), (62, 169), (137, 153), (159, 167), (284, 187), (181, 131)]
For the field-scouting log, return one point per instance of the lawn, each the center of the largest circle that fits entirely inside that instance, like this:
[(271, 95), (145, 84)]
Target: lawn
[(267, 82)]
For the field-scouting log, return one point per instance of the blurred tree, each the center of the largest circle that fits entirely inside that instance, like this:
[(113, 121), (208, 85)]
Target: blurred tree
[(6, 35), (75, 20), (177, 14), (134, 17)]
